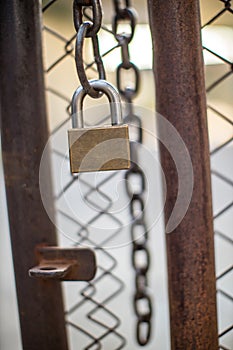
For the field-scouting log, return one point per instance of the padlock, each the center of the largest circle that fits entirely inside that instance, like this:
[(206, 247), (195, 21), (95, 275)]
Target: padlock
[(98, 148)]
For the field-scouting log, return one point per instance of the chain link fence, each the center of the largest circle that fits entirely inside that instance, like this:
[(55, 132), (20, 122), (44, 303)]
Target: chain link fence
[(95, 312), (219, 78), (92, 309)]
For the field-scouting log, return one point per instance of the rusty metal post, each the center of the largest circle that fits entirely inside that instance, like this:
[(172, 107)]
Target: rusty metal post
[(24, 134), (180, 97)]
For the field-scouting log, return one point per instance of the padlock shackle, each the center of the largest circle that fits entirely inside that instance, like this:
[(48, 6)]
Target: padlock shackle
[(109, 90)]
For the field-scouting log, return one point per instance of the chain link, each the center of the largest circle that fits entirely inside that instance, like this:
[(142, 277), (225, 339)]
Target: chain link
[(143, 334), (128, 93), (118, 4), (125, 15), (88, 29), (95, 26), (139, 234), (135, 172)]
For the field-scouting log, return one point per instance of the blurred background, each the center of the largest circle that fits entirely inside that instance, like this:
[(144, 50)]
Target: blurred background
[(61, 80)]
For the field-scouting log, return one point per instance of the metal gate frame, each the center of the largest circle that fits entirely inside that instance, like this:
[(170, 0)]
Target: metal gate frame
[(180, 90), (24, 135), (181, 99)]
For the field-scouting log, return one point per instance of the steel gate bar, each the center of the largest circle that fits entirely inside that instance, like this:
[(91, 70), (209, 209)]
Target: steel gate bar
[(180, 97), (24, 134)]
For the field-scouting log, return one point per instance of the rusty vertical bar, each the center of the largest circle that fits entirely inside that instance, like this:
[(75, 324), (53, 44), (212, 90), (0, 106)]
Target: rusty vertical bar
[(180, 97), (24, 134)]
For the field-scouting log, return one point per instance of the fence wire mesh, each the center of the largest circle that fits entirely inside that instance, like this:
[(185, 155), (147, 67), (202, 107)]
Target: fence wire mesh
[(219, 78), (100, 325), (90, 308)]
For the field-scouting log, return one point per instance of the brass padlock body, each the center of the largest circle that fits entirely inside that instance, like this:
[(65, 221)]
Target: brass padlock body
[(99, 149)]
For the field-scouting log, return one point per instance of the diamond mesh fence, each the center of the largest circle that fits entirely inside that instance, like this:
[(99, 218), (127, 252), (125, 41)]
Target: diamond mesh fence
[(219, 82), (92, 315), (95, 314)]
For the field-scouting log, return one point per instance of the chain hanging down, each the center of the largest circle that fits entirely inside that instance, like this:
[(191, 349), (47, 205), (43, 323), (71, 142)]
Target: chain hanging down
[(88, 29), (139, 241)]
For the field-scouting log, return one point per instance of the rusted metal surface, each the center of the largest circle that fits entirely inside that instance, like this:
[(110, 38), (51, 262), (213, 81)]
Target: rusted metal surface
[(64, 264), (180, 97), (24, 134)]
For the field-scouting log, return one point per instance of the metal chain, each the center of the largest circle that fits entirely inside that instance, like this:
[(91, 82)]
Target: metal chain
[(88, 29), (129, 15), (139, 232), (140, 252)]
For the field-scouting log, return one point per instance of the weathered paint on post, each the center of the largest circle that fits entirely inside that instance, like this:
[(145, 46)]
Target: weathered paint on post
[(24, 134), (180, 97)]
